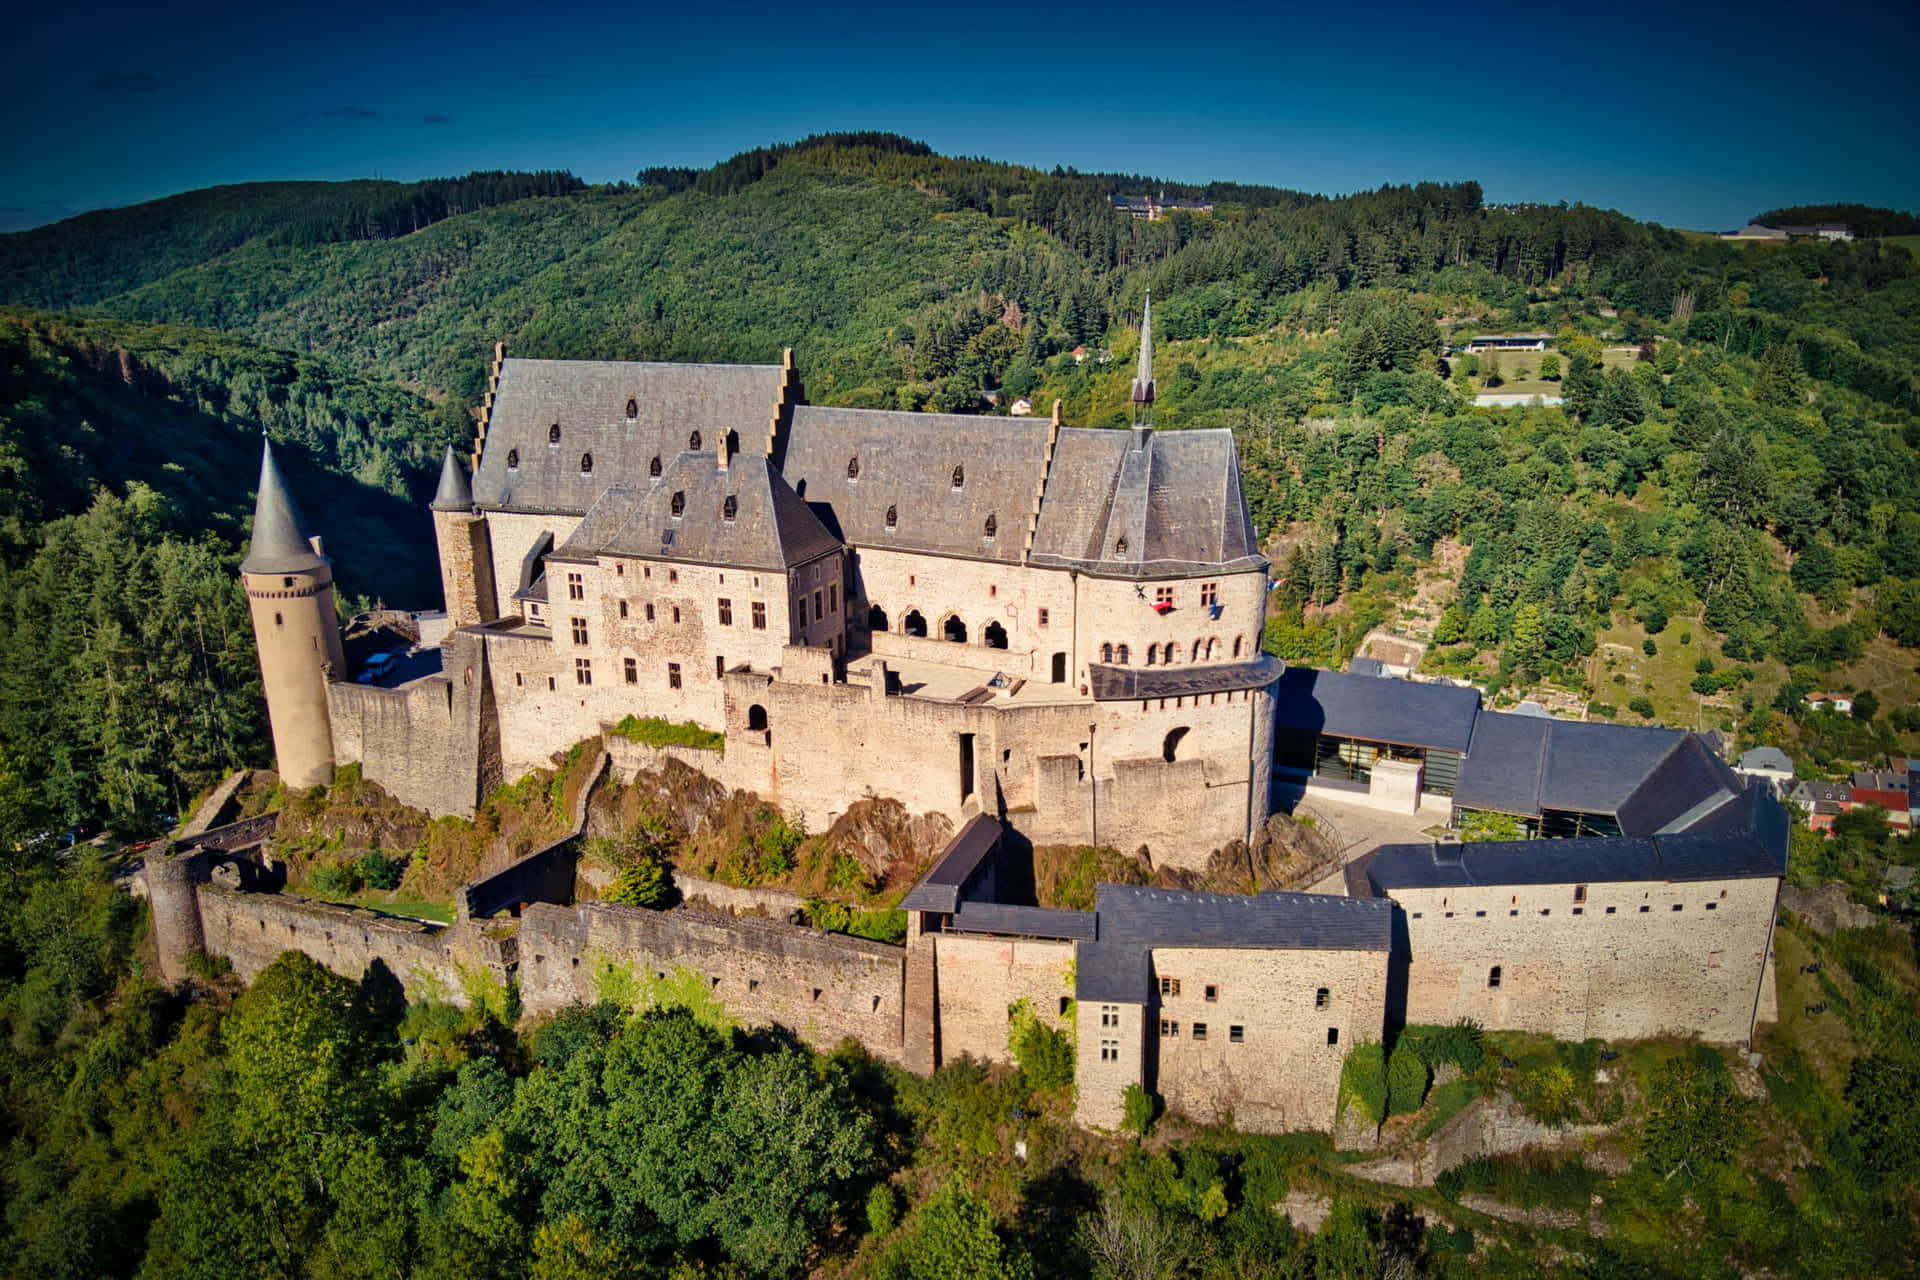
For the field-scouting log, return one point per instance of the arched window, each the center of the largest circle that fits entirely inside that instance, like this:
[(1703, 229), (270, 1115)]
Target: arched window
[(913, 624), (954, 630), (1168, 652), (679, 503), (586, 464), (513, 459), (853, 467), (633, 409), (1120, 655), (553, 434), (693, 442), (993, 525), (994, 636), (653, 468), (1120, 547), (959, 476), (730, 508), (876, 618), (757, 718), (1236, 646), (1171, 746), (1106, 653), (893, 518), (1153, 652), (1196, 651)]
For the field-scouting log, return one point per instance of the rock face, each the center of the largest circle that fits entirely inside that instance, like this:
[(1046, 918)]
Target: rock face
[(1826, 908), (1483, 1128), (1305, 1210), (1353, 1131)]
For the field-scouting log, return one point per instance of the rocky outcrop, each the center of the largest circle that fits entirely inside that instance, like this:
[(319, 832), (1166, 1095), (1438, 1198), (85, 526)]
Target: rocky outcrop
[(1826, 908), (1305, 1210), (1484, 1127)]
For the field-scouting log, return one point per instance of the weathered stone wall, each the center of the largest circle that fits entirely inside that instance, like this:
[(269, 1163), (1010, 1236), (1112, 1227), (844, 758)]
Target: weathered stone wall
[(1638, 959), (767, 973), (1285, 1072), (253, 929), (541, 711), (178, 935), (1110, 1053), (733, 899), (976, 592), (979, 979), (511, 535), (298, 638), (630, 757), (466, 568), (1112, 611), (425, 742)]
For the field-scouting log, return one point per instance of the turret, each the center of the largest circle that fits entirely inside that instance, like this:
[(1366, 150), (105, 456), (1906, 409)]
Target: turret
[(174, 898), (1143, 375), (289, 585), (466, 549)]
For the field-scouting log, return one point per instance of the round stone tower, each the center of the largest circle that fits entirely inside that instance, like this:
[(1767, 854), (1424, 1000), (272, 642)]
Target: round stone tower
[(290, 591), (178, 934)]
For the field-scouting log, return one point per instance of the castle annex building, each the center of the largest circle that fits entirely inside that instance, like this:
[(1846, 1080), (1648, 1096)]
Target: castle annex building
[(1048, 635)]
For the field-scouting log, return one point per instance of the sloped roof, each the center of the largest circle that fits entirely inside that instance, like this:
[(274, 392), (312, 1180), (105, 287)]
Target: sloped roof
[(587, 400), (1025, 922), (1766, 758), (1744, 837), (1523, 764), (1437, 716), (1688, 783), (939, 889), (1145, 502), (1132, 920), (906, 461), (770, 528), (280, 543), (454, 493)]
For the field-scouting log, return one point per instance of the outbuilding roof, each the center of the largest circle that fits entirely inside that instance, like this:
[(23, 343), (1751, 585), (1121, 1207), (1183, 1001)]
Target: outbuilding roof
[(1404, 712), (939, 890)]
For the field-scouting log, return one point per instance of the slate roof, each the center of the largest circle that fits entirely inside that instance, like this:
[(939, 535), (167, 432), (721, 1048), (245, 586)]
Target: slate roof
[(1024, 922), (455, 492), (1405, 712), (1132, 920), (280, 543), (1367, 667), (587, 399), (1689, 782), (770, 529), (1523, 764), (1765, 758), (1745, 837), (939, 890), (1114, 683), (906, 461), (1145, 503)]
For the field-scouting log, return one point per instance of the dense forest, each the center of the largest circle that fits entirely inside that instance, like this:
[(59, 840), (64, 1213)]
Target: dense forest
[(1702, 502)]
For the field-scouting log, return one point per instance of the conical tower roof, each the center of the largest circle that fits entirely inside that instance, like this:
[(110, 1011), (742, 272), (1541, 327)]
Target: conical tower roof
[(279, 534), (456, 491), (1143, 376)]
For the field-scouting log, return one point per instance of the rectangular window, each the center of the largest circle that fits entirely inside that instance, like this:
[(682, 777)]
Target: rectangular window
[(583, 670), (1579, 893), (1109, 1015), (623, 608), (549, 684), (1163, 595), (1109, 1051), (1333, 1035), (800, 607), (518, 682), (676, 615), (1236, 1035), (579, 630), (818, 612), (719, 666), (1213, 993), (633, 670), (833, 598), (673, 575), (1169, 1029), (576, 589), (726, 613), (1322, 998), (649, 611), (1169, 986), (759, 616), (1199, 1031), (1043, 617), (673, 675), (1209, 594)]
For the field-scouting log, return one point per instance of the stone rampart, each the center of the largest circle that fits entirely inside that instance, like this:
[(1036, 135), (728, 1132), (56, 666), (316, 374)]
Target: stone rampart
[(979, 979), (823, 987), (629, 758), (776, 904)]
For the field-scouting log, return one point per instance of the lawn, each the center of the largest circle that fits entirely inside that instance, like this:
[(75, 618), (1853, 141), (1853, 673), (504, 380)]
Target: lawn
[(1625, 672), (1511, 362)]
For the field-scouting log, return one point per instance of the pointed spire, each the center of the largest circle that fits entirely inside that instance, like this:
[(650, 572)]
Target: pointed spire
[(1143, 376), (280, 543), (455, 492)]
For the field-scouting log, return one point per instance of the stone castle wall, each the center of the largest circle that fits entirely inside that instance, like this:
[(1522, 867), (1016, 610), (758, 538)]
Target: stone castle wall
[(1639, 960), (823, 987), (979, 979)]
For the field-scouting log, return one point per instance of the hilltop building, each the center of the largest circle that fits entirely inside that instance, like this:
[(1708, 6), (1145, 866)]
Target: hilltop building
[(1045, 634)]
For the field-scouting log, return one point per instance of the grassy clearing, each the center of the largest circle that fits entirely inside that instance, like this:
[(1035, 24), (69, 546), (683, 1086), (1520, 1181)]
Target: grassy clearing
[(1512, 362), (1625, 672)]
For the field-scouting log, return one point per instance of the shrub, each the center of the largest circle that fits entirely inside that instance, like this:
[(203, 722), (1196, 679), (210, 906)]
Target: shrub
[(654, 732), (882, 1209), (1138, 1108), (1044, 1054), (846, 874), (1704, 666), (644, 884), (1605, 710), (337, 878), (379, 871), (1363, 1080), (1406, 1082), (1642, 707), (1461, 1044), (1648, 647)]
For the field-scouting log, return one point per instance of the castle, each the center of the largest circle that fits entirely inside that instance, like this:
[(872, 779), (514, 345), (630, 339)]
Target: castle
[(1036, 631)]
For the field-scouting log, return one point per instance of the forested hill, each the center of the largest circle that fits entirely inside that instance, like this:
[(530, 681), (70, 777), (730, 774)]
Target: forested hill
[(1737, 450)]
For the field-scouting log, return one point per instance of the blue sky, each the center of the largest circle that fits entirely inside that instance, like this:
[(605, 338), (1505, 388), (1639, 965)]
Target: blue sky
[(1692, 119)]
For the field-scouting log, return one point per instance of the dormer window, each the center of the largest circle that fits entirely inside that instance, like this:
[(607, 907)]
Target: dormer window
[(693, 442), (730, 508), (633, 409), (553, 434), (993, 525), (586, 464), (893, 518), (959, 476), (653, 468), (1120, 547), (853, 467), (513, 459), (679, 504)]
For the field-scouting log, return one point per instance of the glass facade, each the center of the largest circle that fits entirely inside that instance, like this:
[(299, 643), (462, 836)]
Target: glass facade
[(1328, 755)]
